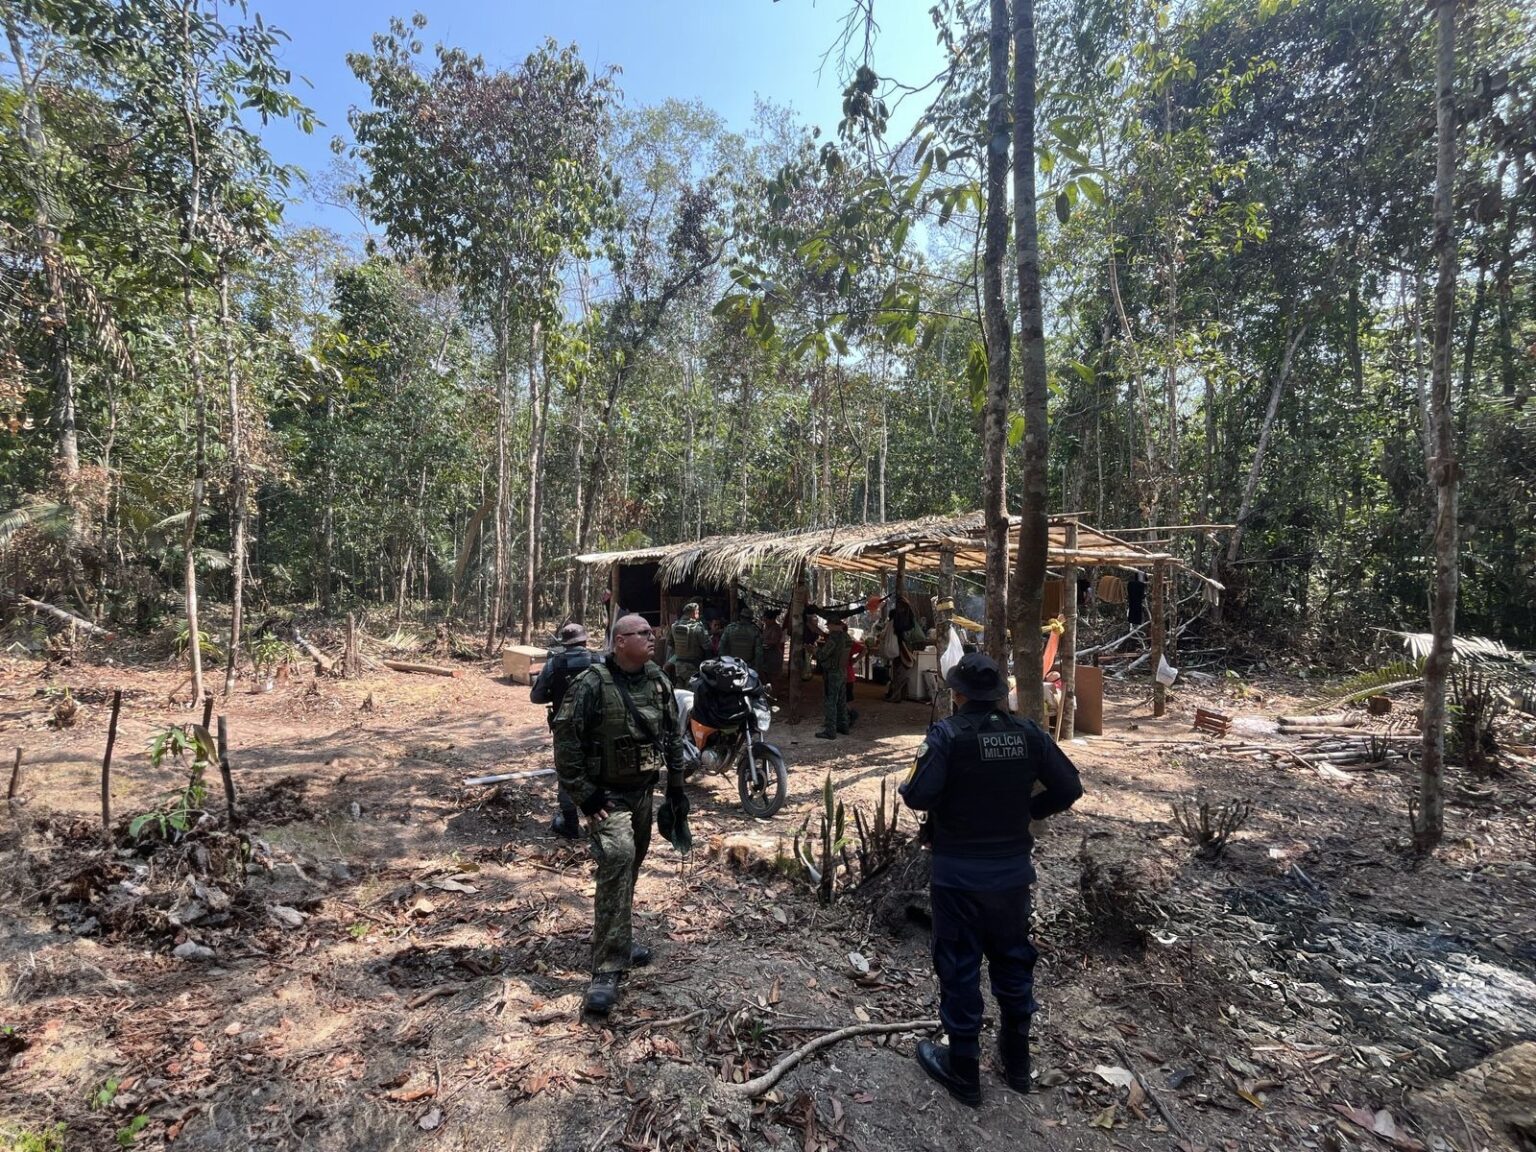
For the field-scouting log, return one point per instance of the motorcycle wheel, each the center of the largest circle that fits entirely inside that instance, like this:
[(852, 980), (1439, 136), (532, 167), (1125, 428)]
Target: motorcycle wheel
[(762, 782)]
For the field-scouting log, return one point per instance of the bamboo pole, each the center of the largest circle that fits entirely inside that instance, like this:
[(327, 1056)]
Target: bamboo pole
[(1159, 625), (106, 768)]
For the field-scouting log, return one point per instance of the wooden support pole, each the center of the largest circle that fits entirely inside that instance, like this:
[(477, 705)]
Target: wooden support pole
[(229, 780), (1065, 715), (1159, 628), (797, 603), (351, 665), (901, 574), (106, 768), (10, 793), (207, 710), (735, 600), (943, 700)]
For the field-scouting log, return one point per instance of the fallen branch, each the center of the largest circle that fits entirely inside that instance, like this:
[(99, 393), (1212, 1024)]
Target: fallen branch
[(430, 669), (1328, 720), (433, 993), (503, 777), (755, 1087), (671, 1021), (1125, 1058), (68, 617), (322, 661)]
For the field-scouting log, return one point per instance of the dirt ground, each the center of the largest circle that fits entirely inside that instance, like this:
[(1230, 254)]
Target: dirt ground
[(397, 959)]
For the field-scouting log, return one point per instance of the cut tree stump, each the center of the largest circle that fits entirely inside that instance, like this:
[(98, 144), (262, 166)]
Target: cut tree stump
[(429, 669)]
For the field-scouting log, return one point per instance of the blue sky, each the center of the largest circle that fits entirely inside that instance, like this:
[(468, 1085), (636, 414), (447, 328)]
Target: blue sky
[(725, 53)]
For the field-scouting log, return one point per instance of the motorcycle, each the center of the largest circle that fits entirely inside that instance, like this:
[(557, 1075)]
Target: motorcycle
[(724, 714)]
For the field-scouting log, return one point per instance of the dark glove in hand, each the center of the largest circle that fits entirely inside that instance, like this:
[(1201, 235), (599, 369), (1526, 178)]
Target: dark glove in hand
[(594, 803), (679, 801)]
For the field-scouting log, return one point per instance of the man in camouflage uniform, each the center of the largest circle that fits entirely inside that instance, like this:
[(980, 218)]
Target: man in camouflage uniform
[(832, 654), (690, 642), (566, 661), (743, 639), (615, 733)]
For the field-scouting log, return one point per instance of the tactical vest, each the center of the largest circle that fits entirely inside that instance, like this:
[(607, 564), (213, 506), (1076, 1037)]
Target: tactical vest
[(987, 789), (687, 641), (615, 757), (565, 665), (739, 640)]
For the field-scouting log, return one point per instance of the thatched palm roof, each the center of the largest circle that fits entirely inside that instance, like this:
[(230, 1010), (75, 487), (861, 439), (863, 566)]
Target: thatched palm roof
[(870, 549)]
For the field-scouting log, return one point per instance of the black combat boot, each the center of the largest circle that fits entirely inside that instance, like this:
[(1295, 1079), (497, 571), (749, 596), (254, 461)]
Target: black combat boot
[(567, 825), (602, 993), (960, 1075), (826, 734), (1013, 1053)]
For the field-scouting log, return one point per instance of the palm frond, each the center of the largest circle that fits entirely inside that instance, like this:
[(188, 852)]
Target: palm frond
[(1397, 674), (49, 517), (1469, 649)]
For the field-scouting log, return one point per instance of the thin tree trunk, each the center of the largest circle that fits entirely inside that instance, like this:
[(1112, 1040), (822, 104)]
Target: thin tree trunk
[(1245, 509), (328, 513), (1028, 590), (239, 515), (535, 471), (994, 417), (503, 512), (1444, 472), (189, 235)]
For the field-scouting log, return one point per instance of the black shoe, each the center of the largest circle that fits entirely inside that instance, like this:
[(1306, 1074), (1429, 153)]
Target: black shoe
[(853, 717), (568, 827), (824, 734), (639, 955), (602, 993), (1013, 1056), (844, 731), (960, 1075)]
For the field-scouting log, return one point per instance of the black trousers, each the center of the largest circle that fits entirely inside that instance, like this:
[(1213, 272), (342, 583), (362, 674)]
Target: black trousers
[(967, 926)]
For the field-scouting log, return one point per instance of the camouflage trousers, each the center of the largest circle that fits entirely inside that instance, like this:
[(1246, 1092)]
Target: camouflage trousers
[(619, 844), (834, 703)]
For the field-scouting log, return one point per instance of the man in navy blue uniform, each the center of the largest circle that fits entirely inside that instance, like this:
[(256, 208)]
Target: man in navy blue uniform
[(982, 775)]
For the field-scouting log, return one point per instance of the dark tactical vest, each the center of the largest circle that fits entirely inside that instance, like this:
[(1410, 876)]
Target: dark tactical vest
[(991, 777), (564, 666), (740, 640), (618, 756), (687, 641)]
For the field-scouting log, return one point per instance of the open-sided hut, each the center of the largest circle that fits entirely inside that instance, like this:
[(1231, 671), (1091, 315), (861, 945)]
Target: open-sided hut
[(658, 580)]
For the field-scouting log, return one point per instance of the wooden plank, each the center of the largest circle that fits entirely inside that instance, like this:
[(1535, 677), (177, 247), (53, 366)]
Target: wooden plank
[(1066, 719)]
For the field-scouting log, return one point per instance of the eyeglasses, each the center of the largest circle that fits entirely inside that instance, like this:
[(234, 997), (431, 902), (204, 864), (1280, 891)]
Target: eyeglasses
[(648, 633)]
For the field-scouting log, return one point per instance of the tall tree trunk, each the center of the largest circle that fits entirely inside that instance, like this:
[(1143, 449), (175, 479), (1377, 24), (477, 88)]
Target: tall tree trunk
[(595, 476), (503, 486), (239, 513), (35, 177), (995, 325), (328, 513), (191, 219), (1028, 590), (535, 472), (1171, 509), (1444, 471)]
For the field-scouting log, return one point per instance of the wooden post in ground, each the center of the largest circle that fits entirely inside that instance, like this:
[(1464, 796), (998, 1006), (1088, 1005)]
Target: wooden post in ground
[(797, 602), (1159, 626), (350, 664), (1068, 649), (735, 600), (207, 710), (10, 793), (229, 780), (901, 575), (106, 767)]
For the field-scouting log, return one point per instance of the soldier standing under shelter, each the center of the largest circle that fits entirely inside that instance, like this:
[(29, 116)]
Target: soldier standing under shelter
[(833, 655), (566, 661), (743, 639), (689, 643), (977, 775), (615, 734)]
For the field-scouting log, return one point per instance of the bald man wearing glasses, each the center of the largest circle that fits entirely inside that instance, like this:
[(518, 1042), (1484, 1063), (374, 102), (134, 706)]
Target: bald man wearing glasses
[(615, 734)]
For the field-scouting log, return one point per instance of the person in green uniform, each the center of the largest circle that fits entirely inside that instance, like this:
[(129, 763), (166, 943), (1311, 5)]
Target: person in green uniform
[(690, 644), (743, 639), (615, 734), (832, 655)]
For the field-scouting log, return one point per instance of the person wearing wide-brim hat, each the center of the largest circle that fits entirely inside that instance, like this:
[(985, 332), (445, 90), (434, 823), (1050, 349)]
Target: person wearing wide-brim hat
[(976, 775)]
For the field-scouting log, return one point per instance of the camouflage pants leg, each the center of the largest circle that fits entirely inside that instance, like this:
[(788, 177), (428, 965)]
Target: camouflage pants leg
[(619, 844), (834, 710)]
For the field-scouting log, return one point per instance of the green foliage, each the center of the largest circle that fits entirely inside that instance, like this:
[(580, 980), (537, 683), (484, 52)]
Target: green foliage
[(179, 808), (25, 1140), (128, 1135)]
